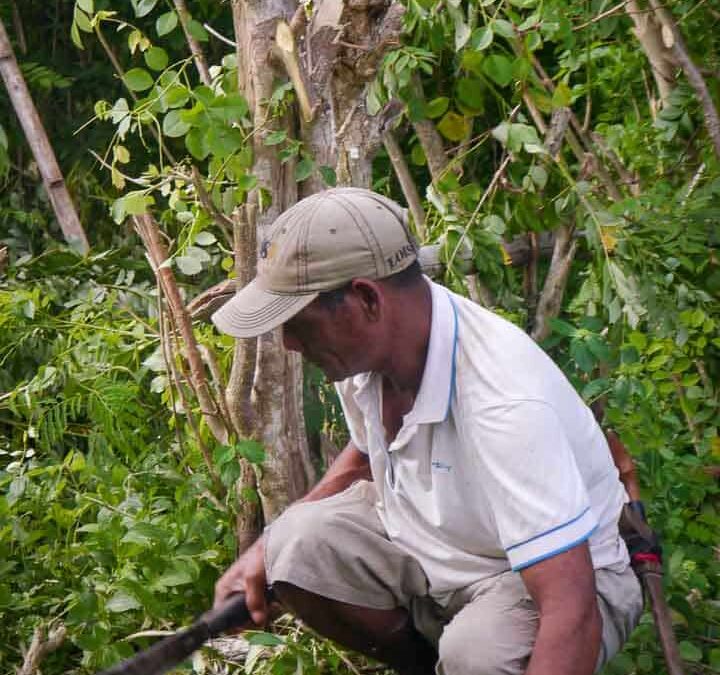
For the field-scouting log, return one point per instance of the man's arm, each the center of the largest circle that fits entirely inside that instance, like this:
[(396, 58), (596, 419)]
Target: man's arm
[(349, 466), (568, 639), (247, 573)]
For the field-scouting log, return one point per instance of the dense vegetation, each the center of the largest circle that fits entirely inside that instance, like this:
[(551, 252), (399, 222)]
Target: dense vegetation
[(118, 503)]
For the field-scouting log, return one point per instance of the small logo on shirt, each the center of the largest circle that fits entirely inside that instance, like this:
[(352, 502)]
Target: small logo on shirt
[(441, 466)]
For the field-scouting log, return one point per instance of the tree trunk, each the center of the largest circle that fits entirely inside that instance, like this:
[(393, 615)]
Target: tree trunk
[(40, 145), (277, 385)]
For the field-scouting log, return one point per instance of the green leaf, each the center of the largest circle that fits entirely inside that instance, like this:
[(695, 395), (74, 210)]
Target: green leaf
[(156, 58), (715, 658), (563, 327), (304, 169), (228, 109), (178, 577), (196, 143), (224, 141), (197, 30), (328, 175), (143, 7), (499, 69), (470, 93), (275, 137), (75, 36), (265, 639), (166, 23), (87, 6), (437, 107), (481, 38), (690, 652), (494, 224), (562, 97), (136, 203), (17, 489), (176, 96), (205, 238), (503, 29), (189, 265), (453, 126), (595, 388), (539, 176), (253, 451), (417, 155), (582, 356), (121, 154), (173, 124), (246, 182), (138, 79), (122, 601), (82, 21)]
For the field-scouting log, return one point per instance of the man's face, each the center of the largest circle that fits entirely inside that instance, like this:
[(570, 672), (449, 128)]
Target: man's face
[(336, 340)]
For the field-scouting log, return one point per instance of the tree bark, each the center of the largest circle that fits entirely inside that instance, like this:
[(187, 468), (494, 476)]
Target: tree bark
[(277, 386), (38, 141)]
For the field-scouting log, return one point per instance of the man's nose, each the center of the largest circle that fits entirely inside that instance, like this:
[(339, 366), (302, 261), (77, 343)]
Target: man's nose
[(290, 342)]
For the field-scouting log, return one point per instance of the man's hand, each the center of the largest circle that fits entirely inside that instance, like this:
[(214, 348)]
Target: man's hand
[(568, 639), (247, 575)]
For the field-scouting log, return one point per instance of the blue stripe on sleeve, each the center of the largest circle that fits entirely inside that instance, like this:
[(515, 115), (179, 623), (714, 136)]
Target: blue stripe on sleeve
[(557, 551), (553, 529)]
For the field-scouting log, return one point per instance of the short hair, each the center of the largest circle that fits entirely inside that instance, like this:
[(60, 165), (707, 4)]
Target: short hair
[(405, 278)]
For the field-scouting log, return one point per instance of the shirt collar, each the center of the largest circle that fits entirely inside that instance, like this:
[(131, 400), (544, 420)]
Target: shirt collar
[(432, 402)]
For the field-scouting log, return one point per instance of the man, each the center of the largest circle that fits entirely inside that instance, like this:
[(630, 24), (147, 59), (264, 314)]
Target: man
[(470, 525)]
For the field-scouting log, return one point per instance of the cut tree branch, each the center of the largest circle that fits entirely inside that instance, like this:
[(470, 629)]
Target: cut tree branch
[(554, 287), (430, 140), (195, 48), (407, 184), (649, 34), (39, 143), (43, 643), (673, 38), (286, 52), (149, 232)]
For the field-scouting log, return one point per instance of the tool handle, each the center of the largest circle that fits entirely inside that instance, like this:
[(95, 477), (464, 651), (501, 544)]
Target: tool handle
[(652, 580), (232, 614)]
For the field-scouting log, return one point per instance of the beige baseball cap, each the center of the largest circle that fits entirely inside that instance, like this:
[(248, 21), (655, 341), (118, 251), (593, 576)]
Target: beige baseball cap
[(319, 244)]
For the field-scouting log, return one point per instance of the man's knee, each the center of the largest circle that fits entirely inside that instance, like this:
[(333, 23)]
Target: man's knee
[(494, 634), (300, 534), (469, 651)]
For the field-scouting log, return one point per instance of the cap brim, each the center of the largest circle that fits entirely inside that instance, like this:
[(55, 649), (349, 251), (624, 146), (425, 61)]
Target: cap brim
[(254, 311)]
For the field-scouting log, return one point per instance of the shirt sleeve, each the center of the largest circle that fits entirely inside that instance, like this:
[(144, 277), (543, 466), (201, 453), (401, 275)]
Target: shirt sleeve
[(538, 499), (353, 416)]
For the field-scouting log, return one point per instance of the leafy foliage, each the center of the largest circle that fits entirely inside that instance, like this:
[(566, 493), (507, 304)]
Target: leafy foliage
[(99, 503)]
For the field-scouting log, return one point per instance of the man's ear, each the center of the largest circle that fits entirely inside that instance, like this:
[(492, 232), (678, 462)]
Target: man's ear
[(370, 297)]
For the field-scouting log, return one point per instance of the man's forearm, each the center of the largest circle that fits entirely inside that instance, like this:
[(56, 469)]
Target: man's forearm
[(349, 466), (567, 646)]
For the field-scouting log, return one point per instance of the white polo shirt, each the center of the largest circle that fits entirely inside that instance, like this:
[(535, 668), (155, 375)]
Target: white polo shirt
[(498, 465)]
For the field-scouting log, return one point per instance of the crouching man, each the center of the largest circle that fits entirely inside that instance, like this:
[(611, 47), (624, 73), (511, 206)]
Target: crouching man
[(470, 525)]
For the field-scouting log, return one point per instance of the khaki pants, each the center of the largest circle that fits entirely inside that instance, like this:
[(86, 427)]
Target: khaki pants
[(337, 548)]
